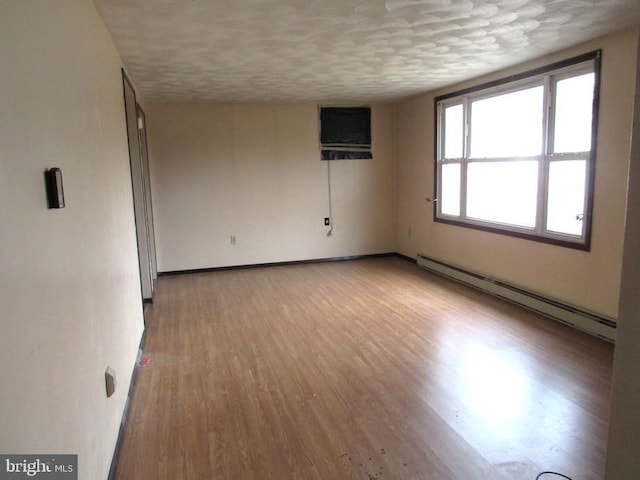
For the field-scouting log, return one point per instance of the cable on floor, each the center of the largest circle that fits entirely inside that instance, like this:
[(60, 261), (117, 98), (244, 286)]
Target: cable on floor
[(552, 473)]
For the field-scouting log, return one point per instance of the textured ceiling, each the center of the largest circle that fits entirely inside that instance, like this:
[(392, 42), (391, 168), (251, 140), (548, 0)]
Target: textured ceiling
[(339, 50)]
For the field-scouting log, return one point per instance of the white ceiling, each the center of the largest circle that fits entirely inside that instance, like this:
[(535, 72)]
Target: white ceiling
[(339, 50)]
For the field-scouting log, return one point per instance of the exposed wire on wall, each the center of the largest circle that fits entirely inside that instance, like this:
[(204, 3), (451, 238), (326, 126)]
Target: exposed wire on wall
[(541, 474), (330, 201)]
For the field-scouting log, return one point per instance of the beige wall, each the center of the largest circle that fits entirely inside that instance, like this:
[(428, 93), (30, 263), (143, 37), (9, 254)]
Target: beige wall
[(623, 460), (254, 171), (587, 279), (69, 284)]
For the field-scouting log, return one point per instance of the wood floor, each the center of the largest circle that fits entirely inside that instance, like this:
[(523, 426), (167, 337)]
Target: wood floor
[(367, 369)]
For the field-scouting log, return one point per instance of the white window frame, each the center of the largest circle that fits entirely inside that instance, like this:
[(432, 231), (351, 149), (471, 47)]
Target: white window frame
[(548, 78)]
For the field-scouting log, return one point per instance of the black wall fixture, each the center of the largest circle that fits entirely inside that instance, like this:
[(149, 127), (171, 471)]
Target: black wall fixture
[(345, 133), (55, 191)]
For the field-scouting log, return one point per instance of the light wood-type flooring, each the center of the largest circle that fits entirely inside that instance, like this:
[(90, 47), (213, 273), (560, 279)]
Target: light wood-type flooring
[(367, 369)]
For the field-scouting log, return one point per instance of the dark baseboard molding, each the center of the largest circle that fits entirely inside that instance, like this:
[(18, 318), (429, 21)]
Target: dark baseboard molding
[(282, 264), (406, 258), (123, 423)]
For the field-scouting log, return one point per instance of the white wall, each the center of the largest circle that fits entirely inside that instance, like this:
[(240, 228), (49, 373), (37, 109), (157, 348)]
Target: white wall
[(254, 171), (590, 280), (69, 283), (623, 460)]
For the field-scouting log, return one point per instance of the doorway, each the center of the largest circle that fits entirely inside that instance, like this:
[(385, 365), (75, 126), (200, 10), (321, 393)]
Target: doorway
[(141, 186)]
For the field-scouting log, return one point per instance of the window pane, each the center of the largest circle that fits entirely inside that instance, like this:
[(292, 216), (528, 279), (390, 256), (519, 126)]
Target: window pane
[(453, 123), (566, 196), (450, 189), (574, 105), (508, 125), (503, 192)]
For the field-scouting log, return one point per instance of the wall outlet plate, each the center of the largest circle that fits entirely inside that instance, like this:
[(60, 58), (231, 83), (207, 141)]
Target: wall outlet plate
[(326, 221), (110, 381)]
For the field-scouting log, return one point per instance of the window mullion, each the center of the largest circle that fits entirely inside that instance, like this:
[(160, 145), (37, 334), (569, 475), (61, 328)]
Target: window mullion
[(549, 115), (438, 192), (463, 188), (547, 145), (440, 126), (438, 160), (543, 193), (466, 148), (588, 191)]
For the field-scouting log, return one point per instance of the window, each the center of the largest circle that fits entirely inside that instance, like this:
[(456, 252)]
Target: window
[(345, 132), (517, 156)]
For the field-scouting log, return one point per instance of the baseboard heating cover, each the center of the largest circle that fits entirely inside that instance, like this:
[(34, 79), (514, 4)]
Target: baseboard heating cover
[(588, 322)]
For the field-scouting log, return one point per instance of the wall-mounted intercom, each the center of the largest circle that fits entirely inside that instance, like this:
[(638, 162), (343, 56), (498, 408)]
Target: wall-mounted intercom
[(55, 192)]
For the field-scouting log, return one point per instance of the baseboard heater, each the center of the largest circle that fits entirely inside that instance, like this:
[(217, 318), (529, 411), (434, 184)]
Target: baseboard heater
[(591, 323)]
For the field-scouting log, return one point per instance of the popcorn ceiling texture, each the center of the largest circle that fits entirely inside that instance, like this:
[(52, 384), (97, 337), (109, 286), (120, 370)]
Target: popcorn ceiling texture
[(339, 50)]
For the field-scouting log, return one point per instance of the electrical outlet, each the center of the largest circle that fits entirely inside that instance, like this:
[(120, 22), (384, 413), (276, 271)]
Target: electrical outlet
[(233, 239), (326, 221), (110, 381)]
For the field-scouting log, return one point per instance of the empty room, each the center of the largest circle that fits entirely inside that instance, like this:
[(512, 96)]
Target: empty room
[(333, 239)]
